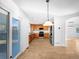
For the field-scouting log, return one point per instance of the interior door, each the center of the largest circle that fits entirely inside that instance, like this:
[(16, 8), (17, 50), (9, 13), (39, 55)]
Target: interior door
[(4, 33)]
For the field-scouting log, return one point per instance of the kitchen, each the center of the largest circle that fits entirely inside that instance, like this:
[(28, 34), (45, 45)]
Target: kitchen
[(39, 31)]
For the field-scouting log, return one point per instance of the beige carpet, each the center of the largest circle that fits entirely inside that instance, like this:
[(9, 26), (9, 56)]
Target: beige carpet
[(42, 49)]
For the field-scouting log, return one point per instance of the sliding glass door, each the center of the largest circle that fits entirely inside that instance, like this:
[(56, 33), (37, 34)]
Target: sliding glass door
[(3, 33)]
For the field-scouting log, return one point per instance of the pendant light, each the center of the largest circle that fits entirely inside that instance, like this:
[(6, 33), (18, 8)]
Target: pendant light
[(48, 23)]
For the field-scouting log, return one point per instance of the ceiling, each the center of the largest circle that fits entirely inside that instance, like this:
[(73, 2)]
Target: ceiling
[(36, 9)]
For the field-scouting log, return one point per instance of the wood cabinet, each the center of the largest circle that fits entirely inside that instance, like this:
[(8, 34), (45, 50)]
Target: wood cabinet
[(36, 35), (33, 27), (46, 35), (31, 37), (45, 27), (37, 26)]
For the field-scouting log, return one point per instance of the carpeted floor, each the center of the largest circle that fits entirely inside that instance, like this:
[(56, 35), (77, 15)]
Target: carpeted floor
[(42, 49)]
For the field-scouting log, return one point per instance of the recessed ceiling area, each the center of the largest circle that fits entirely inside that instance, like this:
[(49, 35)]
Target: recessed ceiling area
[(36, 9)]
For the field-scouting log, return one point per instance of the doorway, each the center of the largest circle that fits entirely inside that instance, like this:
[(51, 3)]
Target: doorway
[(72, 34)]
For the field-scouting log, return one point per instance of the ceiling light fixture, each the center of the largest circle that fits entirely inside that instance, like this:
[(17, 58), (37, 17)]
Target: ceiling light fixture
[(48, 23)]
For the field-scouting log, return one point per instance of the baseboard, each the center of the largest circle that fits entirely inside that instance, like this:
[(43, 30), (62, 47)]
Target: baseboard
[(59, 45)]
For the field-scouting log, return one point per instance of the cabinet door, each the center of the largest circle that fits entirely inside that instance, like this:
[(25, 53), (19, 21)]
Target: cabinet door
[(34, 27), (36, 35), (45, 27), (46, 35)]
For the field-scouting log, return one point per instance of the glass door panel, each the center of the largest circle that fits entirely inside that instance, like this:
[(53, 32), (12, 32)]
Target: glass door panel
[(3, 33), (15, 37)]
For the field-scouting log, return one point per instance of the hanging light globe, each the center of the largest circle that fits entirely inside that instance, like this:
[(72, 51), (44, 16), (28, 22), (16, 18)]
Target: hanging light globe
[(48, 23)]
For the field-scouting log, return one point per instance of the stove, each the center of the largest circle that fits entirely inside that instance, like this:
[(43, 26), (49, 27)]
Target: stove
[(41, 34)]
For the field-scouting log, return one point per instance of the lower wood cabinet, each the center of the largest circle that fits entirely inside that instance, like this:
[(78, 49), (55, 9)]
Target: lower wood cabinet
[(46, 35), (31, 37), (36, 35)]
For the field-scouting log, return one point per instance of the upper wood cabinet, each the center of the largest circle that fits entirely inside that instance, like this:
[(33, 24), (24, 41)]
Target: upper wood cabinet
[(45, 27), (37, 26), (34, 27)]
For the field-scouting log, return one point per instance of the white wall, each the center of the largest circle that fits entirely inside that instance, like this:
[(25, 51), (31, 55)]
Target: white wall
[(59, 34), (24, 32), (15, 12)]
